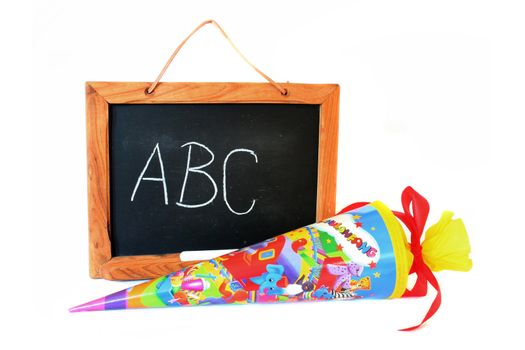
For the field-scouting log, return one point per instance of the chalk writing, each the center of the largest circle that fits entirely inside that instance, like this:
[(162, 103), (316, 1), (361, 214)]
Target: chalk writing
[(224, 180), (142, 178), (195, 170)]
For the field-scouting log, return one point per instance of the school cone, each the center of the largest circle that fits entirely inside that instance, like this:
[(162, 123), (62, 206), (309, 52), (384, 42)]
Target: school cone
[(360, 253)]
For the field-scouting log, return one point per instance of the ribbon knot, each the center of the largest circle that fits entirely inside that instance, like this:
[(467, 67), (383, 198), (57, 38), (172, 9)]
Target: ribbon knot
[(416, 252)]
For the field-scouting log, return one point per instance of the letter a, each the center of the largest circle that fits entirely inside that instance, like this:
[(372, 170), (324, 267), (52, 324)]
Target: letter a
[(196, 169), (142, 178)]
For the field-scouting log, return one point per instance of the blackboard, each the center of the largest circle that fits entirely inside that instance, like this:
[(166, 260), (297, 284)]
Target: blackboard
[(273, 169), (266, 153)]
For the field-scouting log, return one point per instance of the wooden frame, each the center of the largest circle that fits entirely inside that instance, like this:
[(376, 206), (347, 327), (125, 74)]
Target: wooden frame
[(98, 97)]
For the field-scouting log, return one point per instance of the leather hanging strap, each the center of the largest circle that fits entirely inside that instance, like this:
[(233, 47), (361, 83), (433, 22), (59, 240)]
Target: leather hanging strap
[(153, 85)]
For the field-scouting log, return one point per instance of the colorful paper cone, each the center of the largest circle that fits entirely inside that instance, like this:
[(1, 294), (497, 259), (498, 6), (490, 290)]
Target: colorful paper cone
[(360, 253)]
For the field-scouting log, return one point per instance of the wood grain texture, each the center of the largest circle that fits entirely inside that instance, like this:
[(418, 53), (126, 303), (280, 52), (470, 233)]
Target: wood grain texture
[(142, 266), (98, 180), (328, 143), (213, 93), (98, 97)]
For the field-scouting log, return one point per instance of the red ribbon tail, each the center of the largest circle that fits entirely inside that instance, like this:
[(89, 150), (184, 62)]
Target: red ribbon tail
[(435, 304), (419, 289)]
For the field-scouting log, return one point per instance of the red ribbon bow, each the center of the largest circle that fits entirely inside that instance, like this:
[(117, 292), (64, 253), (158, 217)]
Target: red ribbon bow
[(414, 217)]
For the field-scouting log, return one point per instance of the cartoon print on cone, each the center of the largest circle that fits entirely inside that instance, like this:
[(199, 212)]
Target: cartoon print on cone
[(345, 273), (360, 253), (268, 281)]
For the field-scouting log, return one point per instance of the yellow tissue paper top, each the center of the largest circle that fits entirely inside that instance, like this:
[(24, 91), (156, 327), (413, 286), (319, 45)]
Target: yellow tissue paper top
[(446, 245)]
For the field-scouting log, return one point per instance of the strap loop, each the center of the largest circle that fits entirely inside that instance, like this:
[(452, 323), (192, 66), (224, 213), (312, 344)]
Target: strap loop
[(153, 85)]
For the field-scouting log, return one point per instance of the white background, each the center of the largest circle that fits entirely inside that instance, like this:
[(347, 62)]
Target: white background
[(432, 91)]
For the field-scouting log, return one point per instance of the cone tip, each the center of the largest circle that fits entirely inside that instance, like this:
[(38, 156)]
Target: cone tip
[(77, 308), (94, 305)]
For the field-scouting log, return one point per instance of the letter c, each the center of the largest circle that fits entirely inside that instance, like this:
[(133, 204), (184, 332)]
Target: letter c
[(224, 180)]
